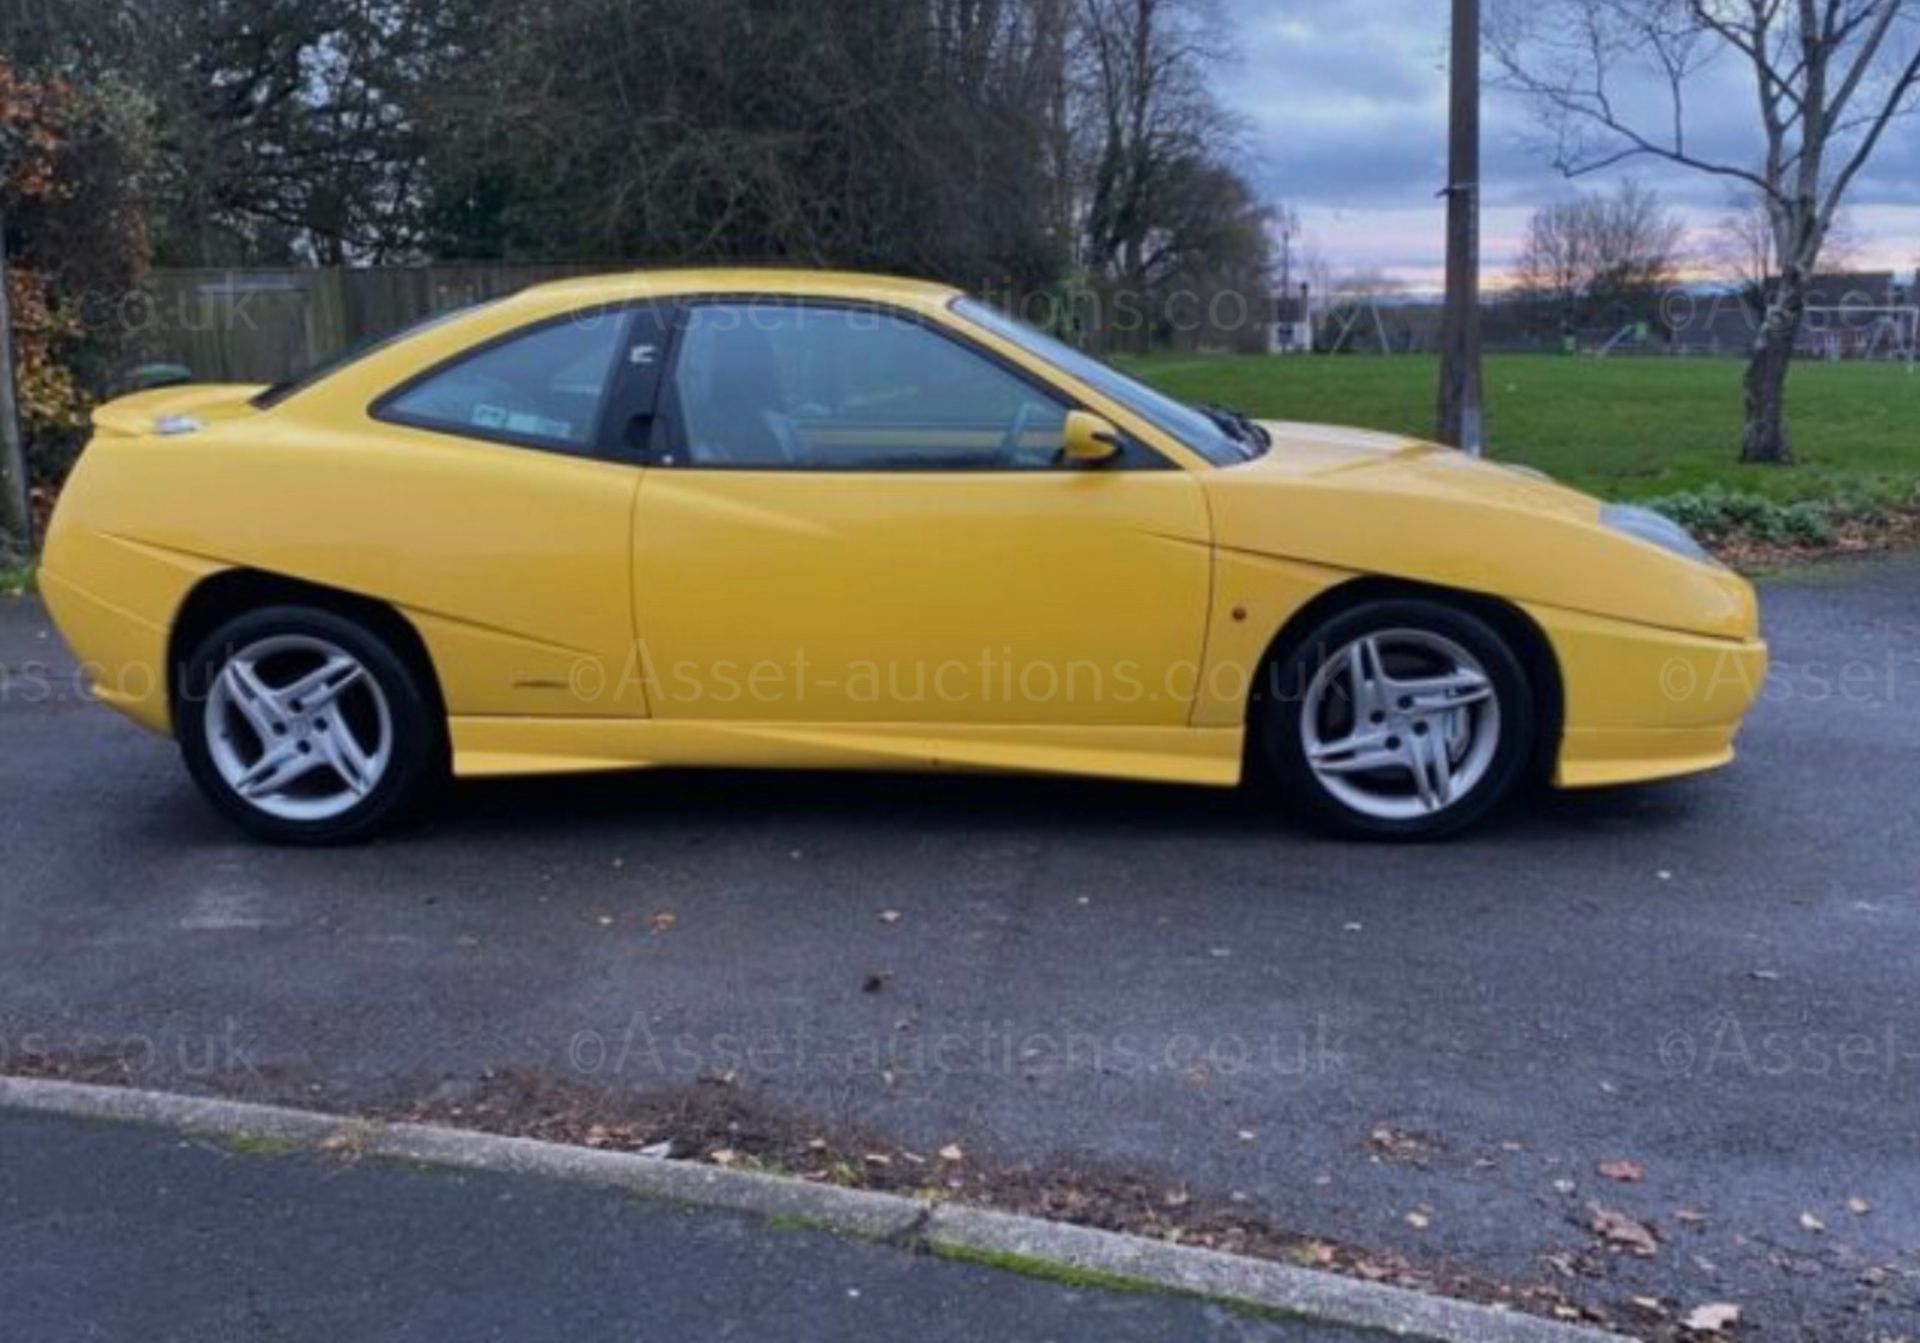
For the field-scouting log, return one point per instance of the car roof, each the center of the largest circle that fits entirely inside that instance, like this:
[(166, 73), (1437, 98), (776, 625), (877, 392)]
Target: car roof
[(738, 280)]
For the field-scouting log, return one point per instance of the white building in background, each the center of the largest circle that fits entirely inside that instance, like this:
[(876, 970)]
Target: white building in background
[(1290, 323)]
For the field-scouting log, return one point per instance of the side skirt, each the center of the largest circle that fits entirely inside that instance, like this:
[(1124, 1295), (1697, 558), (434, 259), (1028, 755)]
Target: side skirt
[(491, 747)]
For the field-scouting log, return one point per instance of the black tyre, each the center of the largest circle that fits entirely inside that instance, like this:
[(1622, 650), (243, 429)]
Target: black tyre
[(307, 727), (1399, 719)]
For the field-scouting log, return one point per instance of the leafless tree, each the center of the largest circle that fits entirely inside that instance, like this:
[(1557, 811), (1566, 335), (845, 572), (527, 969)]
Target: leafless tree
[(1168, 219), (1600, 258), (1744, 250), (1829, 78), (1143, 71)]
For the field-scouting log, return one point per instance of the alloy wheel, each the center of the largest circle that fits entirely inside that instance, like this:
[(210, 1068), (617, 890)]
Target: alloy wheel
[(1400, 724), (298, 728)]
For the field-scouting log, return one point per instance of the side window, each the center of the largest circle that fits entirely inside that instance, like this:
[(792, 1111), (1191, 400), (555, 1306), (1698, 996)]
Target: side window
[(544, 388), (775, 386)]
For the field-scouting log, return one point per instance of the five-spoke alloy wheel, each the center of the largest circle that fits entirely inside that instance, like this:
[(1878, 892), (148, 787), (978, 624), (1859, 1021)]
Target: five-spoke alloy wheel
[(1399, 719), (307, 727)]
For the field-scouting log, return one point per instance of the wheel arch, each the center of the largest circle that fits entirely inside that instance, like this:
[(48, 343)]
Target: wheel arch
[(222, 596), (1522, 633)]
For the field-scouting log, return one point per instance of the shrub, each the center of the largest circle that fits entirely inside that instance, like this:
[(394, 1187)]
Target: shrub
[(1718, 514)]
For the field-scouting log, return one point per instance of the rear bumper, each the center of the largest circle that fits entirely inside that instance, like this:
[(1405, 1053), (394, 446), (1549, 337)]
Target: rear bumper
[(122, 656), (1645, 704)]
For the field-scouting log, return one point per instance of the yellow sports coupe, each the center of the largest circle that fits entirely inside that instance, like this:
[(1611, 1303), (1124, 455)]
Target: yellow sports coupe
[(766, 518)]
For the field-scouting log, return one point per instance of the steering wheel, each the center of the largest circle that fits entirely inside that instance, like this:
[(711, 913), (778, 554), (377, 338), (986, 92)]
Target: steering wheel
[(1010, 444)]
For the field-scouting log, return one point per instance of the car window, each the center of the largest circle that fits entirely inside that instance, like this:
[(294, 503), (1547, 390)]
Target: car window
[(353, 354), (543, 388), (1191, 426), (775, 386)]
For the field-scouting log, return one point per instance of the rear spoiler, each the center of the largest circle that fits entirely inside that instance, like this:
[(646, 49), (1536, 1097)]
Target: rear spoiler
[(175, 409)]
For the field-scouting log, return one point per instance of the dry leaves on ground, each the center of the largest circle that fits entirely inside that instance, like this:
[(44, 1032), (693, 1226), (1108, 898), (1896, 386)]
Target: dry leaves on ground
[(1616, 1228), (1714, 1318)]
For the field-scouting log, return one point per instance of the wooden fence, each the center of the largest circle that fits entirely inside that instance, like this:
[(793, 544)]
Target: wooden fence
[(261, 325)]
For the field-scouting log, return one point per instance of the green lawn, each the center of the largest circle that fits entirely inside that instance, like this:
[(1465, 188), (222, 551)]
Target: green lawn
[(1622, 428)]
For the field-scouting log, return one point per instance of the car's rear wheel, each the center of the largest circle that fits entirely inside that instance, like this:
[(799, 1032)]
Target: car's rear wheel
[(1399, 719), (307, 727)]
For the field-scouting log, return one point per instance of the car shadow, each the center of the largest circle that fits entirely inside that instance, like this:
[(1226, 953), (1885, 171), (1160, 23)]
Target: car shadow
[(746, 801)]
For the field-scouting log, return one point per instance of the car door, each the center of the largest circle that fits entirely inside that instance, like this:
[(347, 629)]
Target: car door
[(506, 489), (858, 516)]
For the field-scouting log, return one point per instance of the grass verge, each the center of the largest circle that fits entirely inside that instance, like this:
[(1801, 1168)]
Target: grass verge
[(1658, 431)]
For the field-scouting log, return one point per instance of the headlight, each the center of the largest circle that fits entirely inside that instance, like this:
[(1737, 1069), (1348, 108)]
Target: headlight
[(1655, 528)]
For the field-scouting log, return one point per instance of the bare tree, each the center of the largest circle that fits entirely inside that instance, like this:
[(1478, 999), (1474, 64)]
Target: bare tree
[(1828, 77), (1745, 251), (1143, 69), (1600, 259)]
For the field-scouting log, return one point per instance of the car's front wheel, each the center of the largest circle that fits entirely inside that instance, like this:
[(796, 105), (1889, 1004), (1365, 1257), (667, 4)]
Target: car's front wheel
[(1399, 719), (307, 727)]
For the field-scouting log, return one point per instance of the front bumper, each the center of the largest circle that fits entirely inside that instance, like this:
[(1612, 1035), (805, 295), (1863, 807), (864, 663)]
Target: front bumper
[(1645, 703)]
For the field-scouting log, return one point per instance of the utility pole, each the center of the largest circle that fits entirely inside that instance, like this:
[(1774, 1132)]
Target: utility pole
[(1459, 402), (16, 516)]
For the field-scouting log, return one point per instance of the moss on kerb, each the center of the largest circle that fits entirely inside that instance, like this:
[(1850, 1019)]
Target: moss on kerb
[(1046, 1270), (1066, 1275), (264, 1146)]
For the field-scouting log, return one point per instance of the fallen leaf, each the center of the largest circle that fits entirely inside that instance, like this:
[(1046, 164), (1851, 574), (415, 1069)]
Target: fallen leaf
[(1391, 1144), (877, 1159), (952, 1152), (1808, 1222), (1859, 1207), (1616, 1228), (1247, 1135), (1713, 1318), (658, 1150), (1627, 1172), (889, 916), (1419, 1221), (1650, 1304), (1690, 1217), (1563, 1186), (723, 1156)]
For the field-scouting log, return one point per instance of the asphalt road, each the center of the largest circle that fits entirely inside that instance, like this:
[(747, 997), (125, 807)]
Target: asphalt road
[(1715, 979), (136, 1233)]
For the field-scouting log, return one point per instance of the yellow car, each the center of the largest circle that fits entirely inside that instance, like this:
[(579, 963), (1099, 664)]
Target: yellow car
[(764, 518)]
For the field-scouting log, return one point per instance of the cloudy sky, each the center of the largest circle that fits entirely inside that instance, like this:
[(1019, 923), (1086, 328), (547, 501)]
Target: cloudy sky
[(1347, 104)]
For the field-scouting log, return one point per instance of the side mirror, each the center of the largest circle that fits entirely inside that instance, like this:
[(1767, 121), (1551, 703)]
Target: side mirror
[(1090, 440)]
